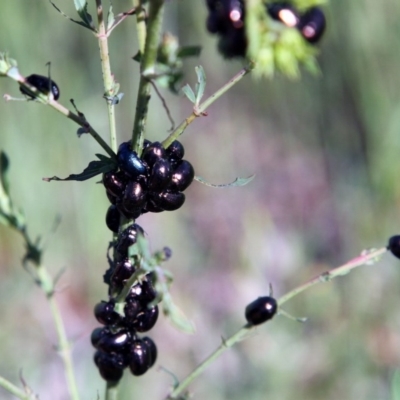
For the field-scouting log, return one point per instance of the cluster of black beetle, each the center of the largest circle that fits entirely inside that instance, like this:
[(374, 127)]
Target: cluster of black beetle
[(117, 343), (152, 182), (227, 17)]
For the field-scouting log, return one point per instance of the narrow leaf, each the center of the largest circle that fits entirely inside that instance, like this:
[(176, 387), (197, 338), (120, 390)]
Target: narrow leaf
[(80, 4), (137, 57), (177, 318), (110, 17), (104, 158), (84, 24), (201, 85), (5, 219), (4, 165), (81, 8), (119, 18), (81, 131), (8, 66), (188, 92), (94, 168), (189, 51), (235, 183)]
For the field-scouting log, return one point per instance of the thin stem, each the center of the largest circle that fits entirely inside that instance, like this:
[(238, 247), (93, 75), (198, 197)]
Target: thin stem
[(147, 68), (111, 391), (45, 281), (333, 273), (246, 329), (15, 390), (226, 344), (199, 110), (80, 120), (109, 85), (63, 347)]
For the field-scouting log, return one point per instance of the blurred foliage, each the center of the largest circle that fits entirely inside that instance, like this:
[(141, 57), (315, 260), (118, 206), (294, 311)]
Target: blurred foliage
[(274, 47), (325, 154)]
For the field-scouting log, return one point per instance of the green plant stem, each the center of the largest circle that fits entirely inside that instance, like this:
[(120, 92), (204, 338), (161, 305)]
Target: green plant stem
[(246, 329), (16, 391), (334, 273), (79, 119), (63, 347), (108, 80), (111, 391), (199, 110), (140, 24), (147, 65), (226, 344), (45, 281)]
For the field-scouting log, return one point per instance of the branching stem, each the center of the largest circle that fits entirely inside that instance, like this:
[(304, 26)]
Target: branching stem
[(80, 120), (147, 66), (199, 110), (246, 329), (45, 281), (64, 347), (15, 390)]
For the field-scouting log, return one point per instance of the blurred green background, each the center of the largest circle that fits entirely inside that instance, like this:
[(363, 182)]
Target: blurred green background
[(325, 151)]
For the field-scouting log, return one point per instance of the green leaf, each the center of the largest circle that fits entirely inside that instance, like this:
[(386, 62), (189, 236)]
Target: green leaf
[(80, 4), (88, 25), (8, 66), (102, 157), (137, 57), (235, 183), (201, 85), (189, 51), (81, 8), (4, 219), (94, 168), (188, 92), (110, 17), (6, 208), (150, 264), (4, 165), (114, 21), (176, 316)]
